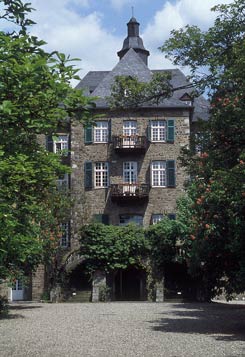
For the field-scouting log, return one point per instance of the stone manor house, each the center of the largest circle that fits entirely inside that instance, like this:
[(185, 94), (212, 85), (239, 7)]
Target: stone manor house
[(124, 169)]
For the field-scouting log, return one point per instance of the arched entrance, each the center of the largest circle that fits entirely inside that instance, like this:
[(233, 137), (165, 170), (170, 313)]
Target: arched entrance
[(79, 284), (178, 283), (130, 285)]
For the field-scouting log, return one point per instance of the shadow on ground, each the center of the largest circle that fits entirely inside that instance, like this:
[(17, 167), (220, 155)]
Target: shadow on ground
[(24, 307), (224, 322), (15, 307)]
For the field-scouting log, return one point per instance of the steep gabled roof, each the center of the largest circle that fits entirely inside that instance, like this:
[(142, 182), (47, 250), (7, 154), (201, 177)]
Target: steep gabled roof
[(98, 83), (91, 81), (130, 65)]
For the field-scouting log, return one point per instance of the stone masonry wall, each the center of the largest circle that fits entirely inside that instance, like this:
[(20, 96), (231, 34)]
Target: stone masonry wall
[(97, 201), (38, 283)]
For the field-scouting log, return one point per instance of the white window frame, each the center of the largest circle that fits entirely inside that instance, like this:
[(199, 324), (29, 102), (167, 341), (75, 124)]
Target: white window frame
[(63, 182), (159, 173), (130, 175), (101, 130), (65, 238), (61, 140), (130, 172), (199, 147), (156, 218), (129, 133), (101, 175), (158, 131)]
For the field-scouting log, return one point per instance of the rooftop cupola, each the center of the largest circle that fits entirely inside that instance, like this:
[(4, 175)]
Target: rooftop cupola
[(134, 41)]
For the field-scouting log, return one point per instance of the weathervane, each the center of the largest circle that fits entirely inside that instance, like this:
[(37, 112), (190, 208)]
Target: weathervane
[(132, 11)]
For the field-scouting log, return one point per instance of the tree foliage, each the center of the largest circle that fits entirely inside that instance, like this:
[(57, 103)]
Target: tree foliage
[(163, 239), (108, 247), (216, 245), (35, 100), (130, 92), (113, 247)]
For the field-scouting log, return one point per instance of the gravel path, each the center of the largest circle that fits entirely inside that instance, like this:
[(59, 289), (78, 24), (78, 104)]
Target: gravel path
[(123, 329)]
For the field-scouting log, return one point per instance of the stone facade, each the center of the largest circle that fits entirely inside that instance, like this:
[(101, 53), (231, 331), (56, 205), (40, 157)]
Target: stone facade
[(38, 283), (90, 202)]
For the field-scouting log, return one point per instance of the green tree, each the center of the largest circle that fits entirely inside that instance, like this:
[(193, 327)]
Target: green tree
[(112, 247), (163, 239), (216, 245), (35, 100), (129, 92)]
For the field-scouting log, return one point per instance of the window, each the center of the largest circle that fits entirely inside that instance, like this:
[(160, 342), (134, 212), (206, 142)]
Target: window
[(129, 133), (101, 218), (130, 172), (63, 182), (158, 130), (17, 285), (101, 132), (101, 174), (127, 93), (201, 140), (187, 99), (127, 219), (61, 144), (161, 130), (65, 237), (163, 173), (159, 173), (172, 216), (156, 218), (58, 143)]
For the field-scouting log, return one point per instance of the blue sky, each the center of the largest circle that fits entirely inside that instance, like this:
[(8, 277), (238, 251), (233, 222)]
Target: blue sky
[(93, 30)]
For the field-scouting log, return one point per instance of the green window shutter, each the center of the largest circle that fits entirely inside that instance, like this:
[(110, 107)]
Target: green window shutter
[(151, 183), (88, 174), (170, 130), (88, 134), (149, 131), (49, 143), (97, 218), (105, 219), (109, 131), (170, 173)]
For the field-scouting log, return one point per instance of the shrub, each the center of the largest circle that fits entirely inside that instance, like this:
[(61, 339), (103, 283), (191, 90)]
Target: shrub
[(4, 307)]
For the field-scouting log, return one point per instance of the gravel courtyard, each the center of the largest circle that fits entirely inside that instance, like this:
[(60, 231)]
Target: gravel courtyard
[(123, 329)]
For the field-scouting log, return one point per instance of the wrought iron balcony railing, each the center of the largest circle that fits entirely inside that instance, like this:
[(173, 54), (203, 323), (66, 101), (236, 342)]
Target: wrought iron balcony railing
[(130, 143), (127, 191)]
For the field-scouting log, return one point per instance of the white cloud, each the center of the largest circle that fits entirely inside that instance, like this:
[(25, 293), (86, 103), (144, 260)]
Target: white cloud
[(174, 16), (69, 31), (67, 26)]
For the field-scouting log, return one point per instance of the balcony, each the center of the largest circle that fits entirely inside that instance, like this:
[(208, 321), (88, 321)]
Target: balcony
[(126, 192), (129, 144)]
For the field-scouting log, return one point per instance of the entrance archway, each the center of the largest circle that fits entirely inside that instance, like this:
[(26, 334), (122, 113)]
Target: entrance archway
[(79, 285), (178, 283), (130, 285)]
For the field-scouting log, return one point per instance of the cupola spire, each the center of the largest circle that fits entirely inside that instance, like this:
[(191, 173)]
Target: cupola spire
[(134, 41)]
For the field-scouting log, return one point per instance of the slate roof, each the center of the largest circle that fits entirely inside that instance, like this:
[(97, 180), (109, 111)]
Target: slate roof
[(98, 83)]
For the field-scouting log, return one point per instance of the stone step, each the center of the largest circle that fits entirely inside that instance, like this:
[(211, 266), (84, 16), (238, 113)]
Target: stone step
[(81, 296)]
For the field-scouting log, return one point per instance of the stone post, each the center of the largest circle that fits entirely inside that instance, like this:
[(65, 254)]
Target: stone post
[(38, 283), (99, 279), (160, 290)]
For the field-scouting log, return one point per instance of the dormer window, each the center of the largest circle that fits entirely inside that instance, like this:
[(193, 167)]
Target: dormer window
[(187, 99), (127, 93)]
